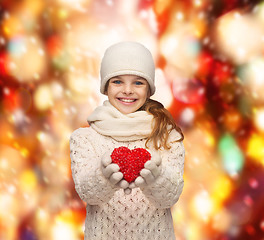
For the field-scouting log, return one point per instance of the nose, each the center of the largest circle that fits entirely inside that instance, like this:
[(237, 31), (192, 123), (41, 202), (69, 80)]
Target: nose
[(128, 89)]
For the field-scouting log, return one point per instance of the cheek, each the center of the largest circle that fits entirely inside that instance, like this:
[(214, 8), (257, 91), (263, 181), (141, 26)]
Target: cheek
[(110, 92), (146, 93)]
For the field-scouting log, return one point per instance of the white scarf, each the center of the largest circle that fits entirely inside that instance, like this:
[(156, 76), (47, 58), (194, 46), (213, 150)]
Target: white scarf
[(108, 121)]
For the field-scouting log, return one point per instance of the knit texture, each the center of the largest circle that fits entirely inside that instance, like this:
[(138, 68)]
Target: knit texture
[(143, 214), (108, 121), (127, 58)]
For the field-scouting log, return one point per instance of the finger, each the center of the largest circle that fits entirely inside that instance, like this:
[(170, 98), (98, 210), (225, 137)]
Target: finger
[(127, 191), (155, 170), (150, 165), (140, 181), (132, 185), (147, 175), (123, 184), (116, 177), (106, 160), (156, 158), (112, 168)]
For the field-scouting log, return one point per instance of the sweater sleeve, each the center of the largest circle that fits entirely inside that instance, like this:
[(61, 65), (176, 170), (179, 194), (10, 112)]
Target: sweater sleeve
[(90, 183), (167, 188)]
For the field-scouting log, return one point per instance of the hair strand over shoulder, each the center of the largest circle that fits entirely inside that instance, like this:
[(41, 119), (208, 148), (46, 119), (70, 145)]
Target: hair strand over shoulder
[(163, 124)]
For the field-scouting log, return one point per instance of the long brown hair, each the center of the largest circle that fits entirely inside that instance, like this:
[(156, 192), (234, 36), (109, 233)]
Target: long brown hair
[(163, 124)]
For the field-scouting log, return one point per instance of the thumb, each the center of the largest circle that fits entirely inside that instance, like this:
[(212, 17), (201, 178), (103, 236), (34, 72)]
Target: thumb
[(106, 159)]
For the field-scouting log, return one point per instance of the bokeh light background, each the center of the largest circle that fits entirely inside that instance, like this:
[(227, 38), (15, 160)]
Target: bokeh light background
[(210, 75)]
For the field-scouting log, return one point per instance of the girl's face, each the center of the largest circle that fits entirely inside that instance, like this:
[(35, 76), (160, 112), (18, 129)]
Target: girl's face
[(127, 93)]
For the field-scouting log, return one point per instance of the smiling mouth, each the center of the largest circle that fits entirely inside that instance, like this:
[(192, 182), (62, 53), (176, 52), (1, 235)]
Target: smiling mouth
[(127, 100)]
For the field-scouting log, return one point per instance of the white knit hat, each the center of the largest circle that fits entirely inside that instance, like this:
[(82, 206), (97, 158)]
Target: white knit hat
[(127, 58)]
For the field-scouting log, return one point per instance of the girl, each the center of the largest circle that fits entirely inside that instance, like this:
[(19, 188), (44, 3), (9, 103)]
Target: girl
[(118, 208)]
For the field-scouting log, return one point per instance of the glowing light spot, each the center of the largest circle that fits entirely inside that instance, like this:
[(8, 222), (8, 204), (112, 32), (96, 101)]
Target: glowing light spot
[(10, 135), (11, 189), (24, 152), (3, 163), (232, 156), (6, 30), (43, 98), (221, 190), (28, 181), (248, 200), (79, 84), (239, 36), (203, 205), (187, 115), (193, 231), (259, 11), (262, 225), (180, 46), (18, 116), (17, 46), (25, 47), (222, 220), (180, 16), (188, 90), (232, 120), (259, 119), (41, 52), (6, 91), (12, 26), (42, 214), (7, 205), (4, 63), (109, 2), (65, 226), (161, 5), (62, 13), (63, 231), (57, 90), (250, 230), (197, 3), (73, 3), (255, 148), (253, 183), (41, 136), (209, 139)]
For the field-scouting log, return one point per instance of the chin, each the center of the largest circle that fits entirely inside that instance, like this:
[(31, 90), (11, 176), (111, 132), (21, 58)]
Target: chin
[(126, 112)]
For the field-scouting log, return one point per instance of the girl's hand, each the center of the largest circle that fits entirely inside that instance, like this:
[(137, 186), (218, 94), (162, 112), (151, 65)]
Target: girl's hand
[(150, 172), (111, 172), (128, 190)]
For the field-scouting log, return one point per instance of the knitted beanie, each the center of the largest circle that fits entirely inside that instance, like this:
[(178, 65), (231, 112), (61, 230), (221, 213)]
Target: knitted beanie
[(127, 58)]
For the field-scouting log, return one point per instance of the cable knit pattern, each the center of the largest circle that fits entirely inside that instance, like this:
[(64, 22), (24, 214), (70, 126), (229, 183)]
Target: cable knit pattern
[(111, 214), (168, 187), (90, 183)]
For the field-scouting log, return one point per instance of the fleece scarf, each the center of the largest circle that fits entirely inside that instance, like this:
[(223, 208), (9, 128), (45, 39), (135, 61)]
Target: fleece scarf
[(108, 121)]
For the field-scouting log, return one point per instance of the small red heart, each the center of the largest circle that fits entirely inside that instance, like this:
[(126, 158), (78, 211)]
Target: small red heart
[(130, 161)]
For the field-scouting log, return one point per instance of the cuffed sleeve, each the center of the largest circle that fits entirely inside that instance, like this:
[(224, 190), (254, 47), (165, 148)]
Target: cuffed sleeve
[(90, 183), (167, 188)]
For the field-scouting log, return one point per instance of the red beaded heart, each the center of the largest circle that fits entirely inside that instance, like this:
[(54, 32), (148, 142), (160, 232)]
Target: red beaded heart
[(130, 161)]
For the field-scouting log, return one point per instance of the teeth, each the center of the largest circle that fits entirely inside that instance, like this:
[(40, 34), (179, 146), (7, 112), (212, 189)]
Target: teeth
[(127, 100)]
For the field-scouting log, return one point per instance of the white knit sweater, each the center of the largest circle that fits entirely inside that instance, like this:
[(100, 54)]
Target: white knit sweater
[(143, 214), (111, 214)]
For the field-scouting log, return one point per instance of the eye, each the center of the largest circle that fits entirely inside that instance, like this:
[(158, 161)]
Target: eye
[(139, 83), (116, 81)]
